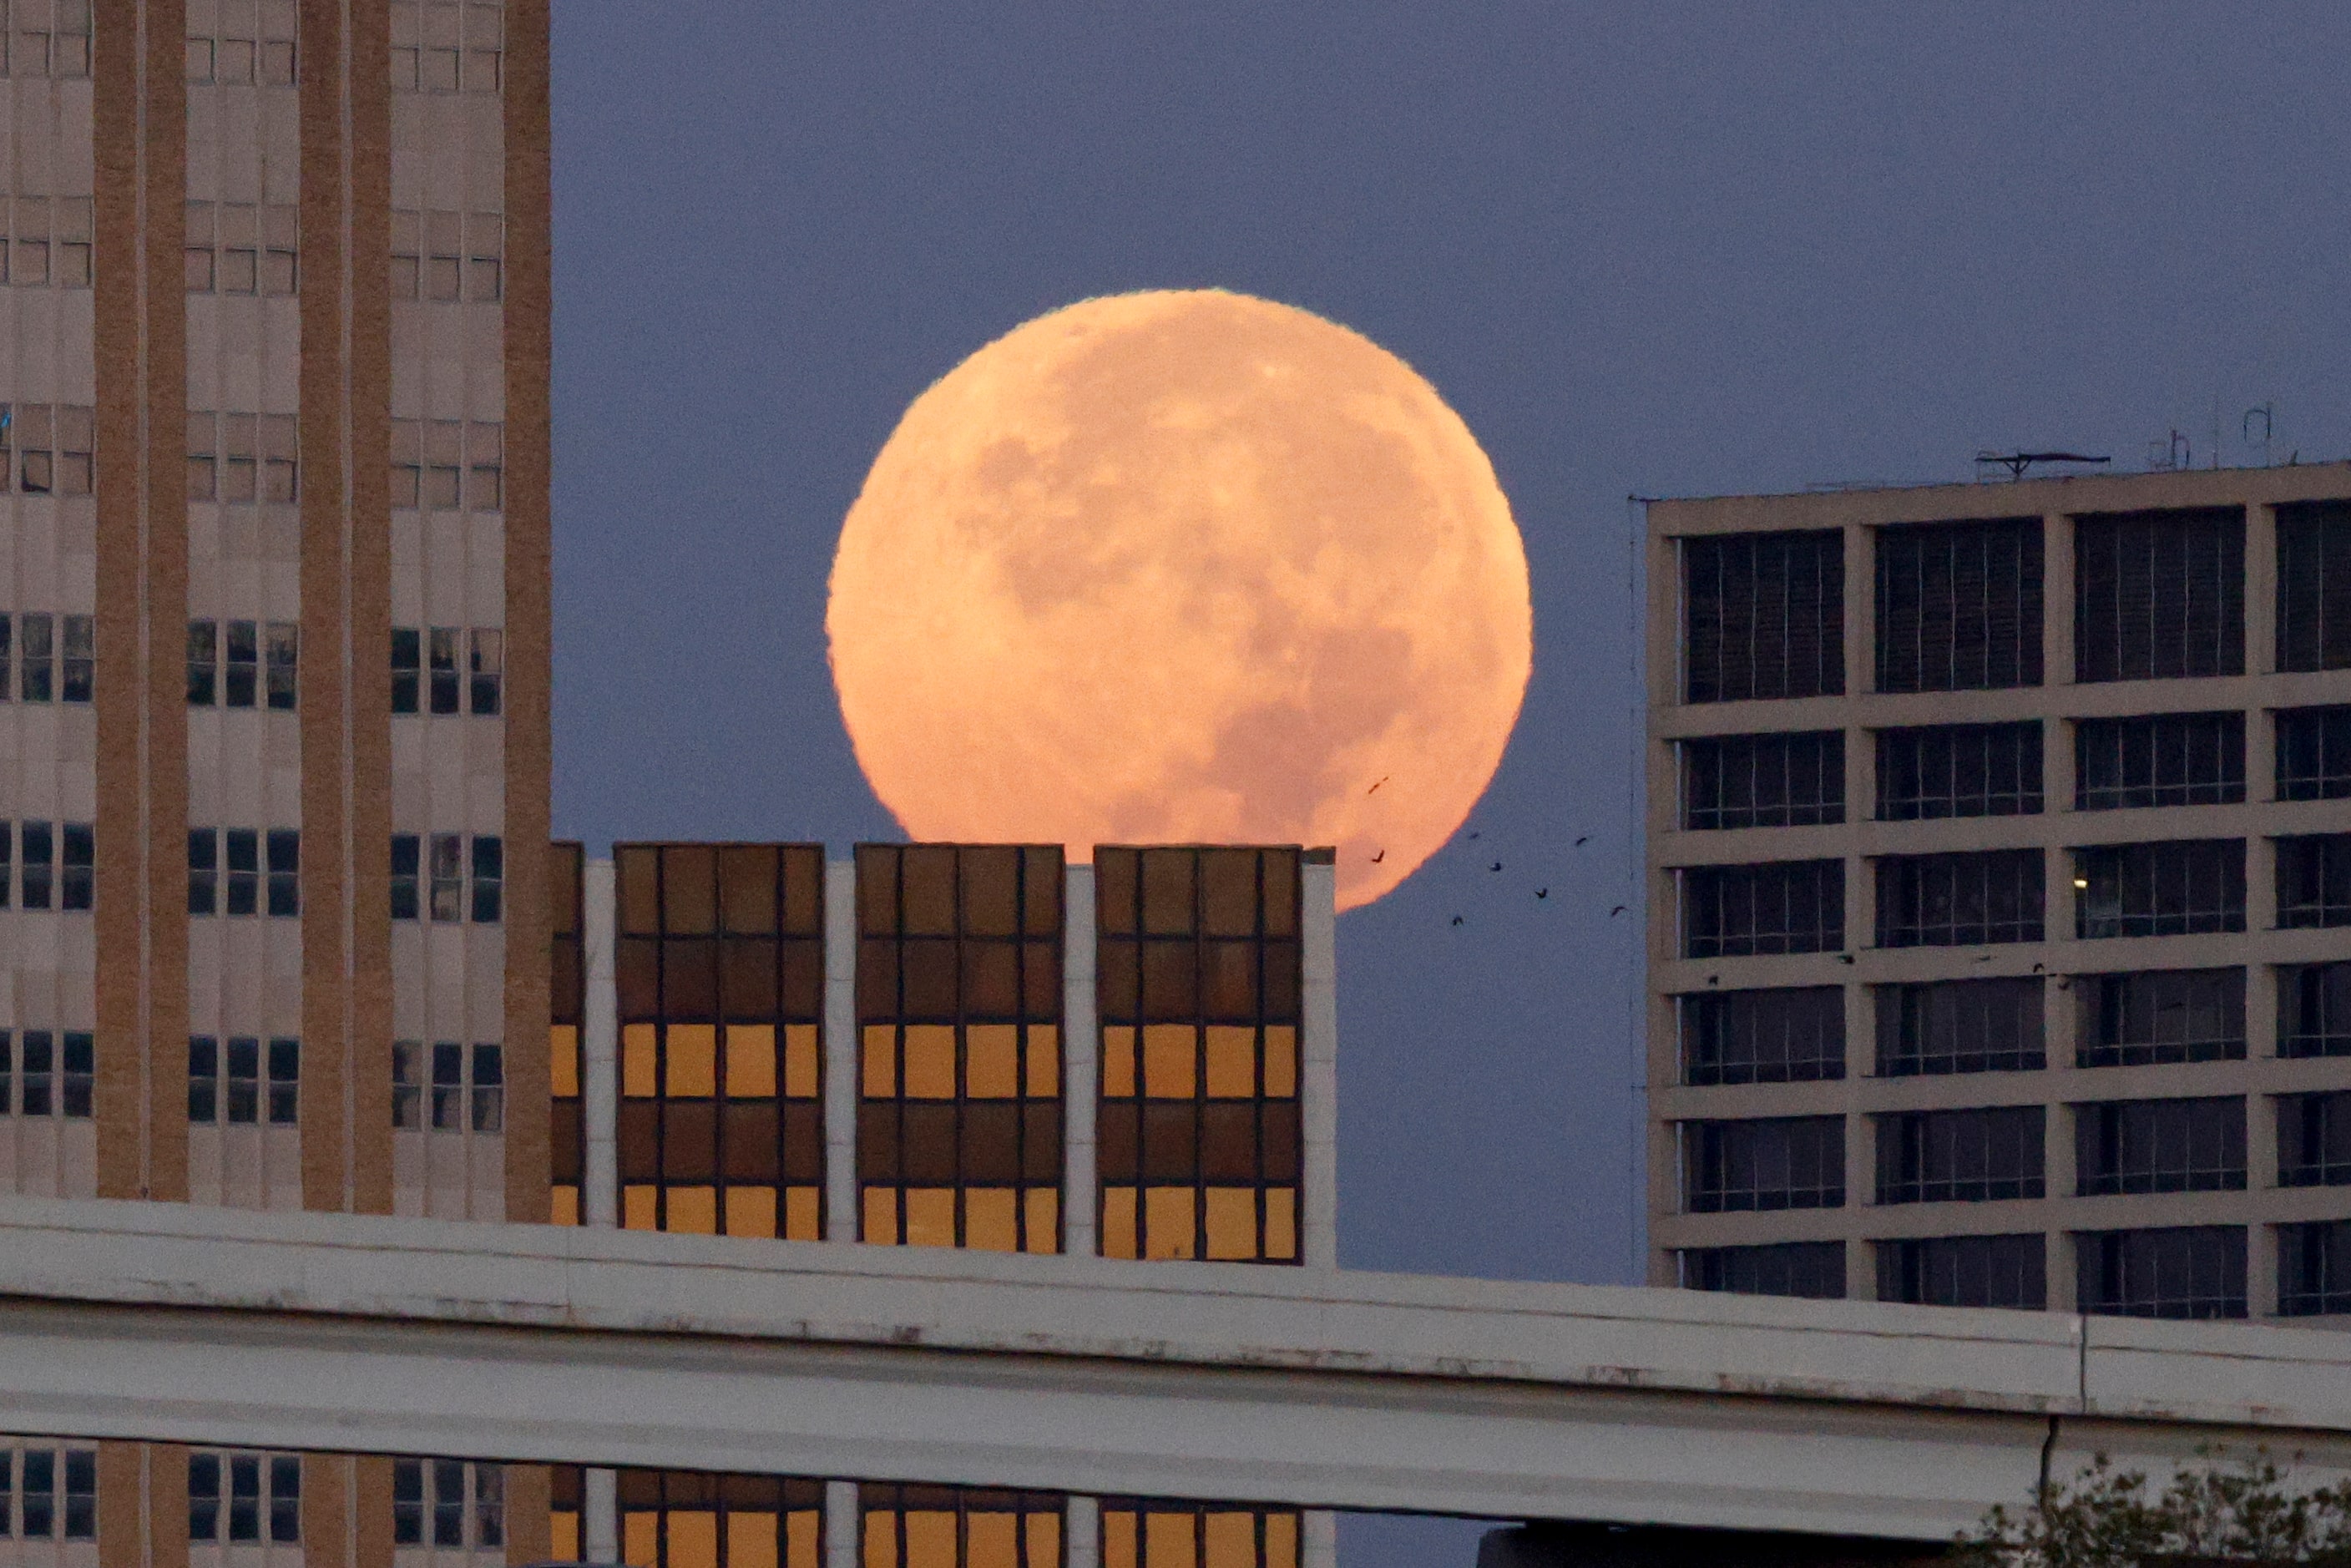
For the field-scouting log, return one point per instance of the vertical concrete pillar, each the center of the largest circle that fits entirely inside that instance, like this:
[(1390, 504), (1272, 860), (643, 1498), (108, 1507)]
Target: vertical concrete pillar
[(1318, 1076), (843, 1548), (841, 1062), (599, 1049), (600, 1516), (1082, 1528), (1078, 1062)]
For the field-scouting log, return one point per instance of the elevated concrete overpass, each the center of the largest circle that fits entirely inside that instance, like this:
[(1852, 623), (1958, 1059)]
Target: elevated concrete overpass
[(1323, 1389)]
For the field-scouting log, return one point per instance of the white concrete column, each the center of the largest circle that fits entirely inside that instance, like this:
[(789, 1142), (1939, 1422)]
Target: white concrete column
[(842, 1548), (841, 1063), (600, 1050), (600, 1510), (1319, 1545), (1080, 1058), (1317, 1068), (1082, 1516)]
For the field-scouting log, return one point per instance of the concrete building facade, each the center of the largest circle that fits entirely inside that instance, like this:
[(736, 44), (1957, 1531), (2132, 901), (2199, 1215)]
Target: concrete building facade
[(2000, 933)]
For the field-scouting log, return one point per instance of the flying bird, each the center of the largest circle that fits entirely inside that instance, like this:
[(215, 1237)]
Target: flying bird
[(1375, 789), (1379, 857), (1844, 958), (1457, 920), (1583, 840), (1542, 893), (1496, 867), (1616, 911), (1473, 835)]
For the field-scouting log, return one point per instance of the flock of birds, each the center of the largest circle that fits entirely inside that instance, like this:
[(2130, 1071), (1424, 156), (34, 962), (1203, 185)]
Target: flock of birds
[(1542, 894)]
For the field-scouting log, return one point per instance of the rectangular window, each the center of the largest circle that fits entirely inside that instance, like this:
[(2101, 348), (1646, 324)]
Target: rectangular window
[(459, 1504), (567, 1010), (46, 1504), (2178, 1272), (448, 1087), (488, 1089), (2170, 889), (1763, 615), (1931, 771), (1776, 906), (486, 672), (2161, 1016), (1961, 1026), (203, 1080), (2160, 595), (7, 1107), (964, 1527), (203, 663), (2164, 760), (37, 864), (489, 878), (244, 1096), (1960, 1156), (1809, 1269), (79, 1077), (8, 623), (2313, 585), (407, 668), (1962, 899), (1158, 1533), (78, 667), (242, 687), (2313, 881), (40, 1494), (2313, 1269), (7, 862), (285, 1083), (441, 662), (2314, 754), (448, 876), (1790, 1036), (263, 1494), (2160, 1146), (281, 650), (685, 1519), (1965, 1271), (2314, 1010), (203, 872), (1959, 606), (77, 880), (1764, 780), (36, 657), (2314, 1139), (408, 1084), (1772, 1163), (406, 868), (38, 1080), (285, 845)]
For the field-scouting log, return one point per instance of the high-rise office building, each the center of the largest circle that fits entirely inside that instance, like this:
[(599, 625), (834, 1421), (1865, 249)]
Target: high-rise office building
[(2000, 891)]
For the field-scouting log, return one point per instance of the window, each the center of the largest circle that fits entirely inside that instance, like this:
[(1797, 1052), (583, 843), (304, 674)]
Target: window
[(1158, 1533), (7, 863), (407, 668), (1199, 982), (1791, 1036), (285, 871), (1763, 615), (405, 867), (489, 879), (2160, 595), (2314, 1010), (262, 666), (720, 977), (1785, 1162), (2166, 759), (37, 862), (2314, 586), (1777, 907), (36, 657), (567, 1010), (282, 653), (2314, 1139), (2181, 1272), (1959, 900), (2161, 1016), (966, 1527), (1958, 770), (244, 683), (487, 670), (2160, 1146), (1764, 780), (1965, 1271), (234, 1497), (2314, 752), (448, 669), (203, 872), (2314, 1268), (52, 444), (447, 256), (239, 248), (46, 1073), (248, 1082), (2313, 881), (431, 53), (468, 1088), (441, 658), (248, 57), (683, 1518), (2168, 889), (242, 460), (1959, 606), (51, 234), (46, 44), (78, 883), (243, 847), (450, 1504), (41, 1509), (203, 663), (449, 876), (78, 665), (1811, 1268), (1959, 1026), (1960, 1156), (446, 464)]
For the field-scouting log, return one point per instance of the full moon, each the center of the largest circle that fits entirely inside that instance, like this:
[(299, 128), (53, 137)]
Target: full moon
[(1183, 566)]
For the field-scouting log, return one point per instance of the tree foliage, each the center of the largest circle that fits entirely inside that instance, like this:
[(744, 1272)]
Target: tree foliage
[(2242, 1510)]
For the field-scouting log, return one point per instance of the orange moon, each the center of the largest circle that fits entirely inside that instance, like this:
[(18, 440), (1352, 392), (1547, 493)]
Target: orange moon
[(1183, 566)]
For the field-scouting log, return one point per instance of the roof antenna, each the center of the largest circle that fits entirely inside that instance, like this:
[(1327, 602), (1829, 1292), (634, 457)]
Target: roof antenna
[(2016, 462)]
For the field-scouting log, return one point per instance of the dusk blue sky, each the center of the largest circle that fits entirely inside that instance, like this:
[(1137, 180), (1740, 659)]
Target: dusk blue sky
[(1664, 250)]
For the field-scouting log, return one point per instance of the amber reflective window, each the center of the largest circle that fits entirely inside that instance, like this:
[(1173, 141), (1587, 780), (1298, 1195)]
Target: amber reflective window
[(959, 1064), (959, 1527), (1162, 1534), (1198, 980), (566, 1009), (720, 969), (689, 1519)]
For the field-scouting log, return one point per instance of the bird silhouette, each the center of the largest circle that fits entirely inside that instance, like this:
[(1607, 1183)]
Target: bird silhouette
[(1844, 958), (1583, 840), (1542, 893), (1375, 789), (1457, 920), (1379, 857), (1496, 867), (1616, 911), (1473, 835)]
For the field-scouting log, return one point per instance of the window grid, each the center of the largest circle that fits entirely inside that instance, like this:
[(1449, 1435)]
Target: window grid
[(241, 247), (48, 658), (442, 47), (686, 1519), (2314, 1139), (2161, 759), (721, 984), (448, 465), (54, 864), (2313, 751), (241, 871), (1774, 906), (2159, 1145), (448, 877), (46, 1073), (2176, 1272), (1962, 899), (240, 1496), (1794, 1035), (1765, 1163), (452, 1504), (2314, 1010), (2314, 1268), (1960, 1156), (244, 663), (447, 256), (2160, 595), (47, 1494), (448, 669), (444, 1087), (2313, 880), (47, 40), (1939, 1027), (1959, 606), (1764, 780), (48, 449), (1199, 989), (960, 1527), (2161, 1016), (243, 459), (244, 1080), (566, 1011), (2314, 586), (1965, 1271), (46, 242), (252, 55), (1763, 615), (2168, 889), (1927, 772), (1808, 1268), (1139, 1533)]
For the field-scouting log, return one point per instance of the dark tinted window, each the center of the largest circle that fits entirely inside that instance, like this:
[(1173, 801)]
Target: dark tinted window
[(2313, 880), (2314, 1010), (2314, 754), (2159, 594), (1959, 1026), (1959, 1156), (2161, 1016), (1959, 900), (1959, 606), (2314, 1268), (1765, 615), (2314, 1139), (1965, 1271), (1764, 780), (1781, 1162), (2160, 1146), (2313, 592), (1813, 1269), (1779, 906), (1790, 1036), (2168, 889), (2164, 760), (2178, 1272), (1958, 770)]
